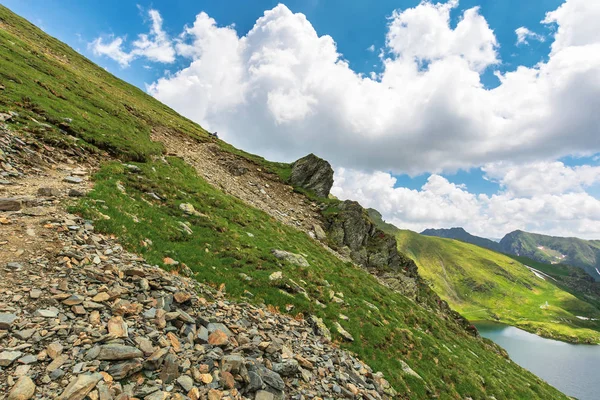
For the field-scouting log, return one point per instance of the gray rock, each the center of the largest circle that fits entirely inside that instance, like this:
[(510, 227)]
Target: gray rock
[(344, 333), (48, 313), (76, 193), (170, 370), (118, 352), (232, 363), (124, 369), (292, 258), (287, 367), (264, 395), (319, 327), (186, 382), (202, 335), (271, 378), (312, 173), (48, 192), (73, 179), (6, 321), (254, 381), (217, 326), (319, 232), (8, 204), (7, 357)]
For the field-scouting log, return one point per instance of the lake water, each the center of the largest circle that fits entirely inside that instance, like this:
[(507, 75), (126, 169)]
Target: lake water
[(572, 369)]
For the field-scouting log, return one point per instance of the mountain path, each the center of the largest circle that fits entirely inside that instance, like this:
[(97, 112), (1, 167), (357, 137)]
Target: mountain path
[(80, 317), (243, 179)]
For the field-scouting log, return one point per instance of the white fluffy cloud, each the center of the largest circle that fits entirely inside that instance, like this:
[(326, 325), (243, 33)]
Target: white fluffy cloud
[(524, 35), (282, 91), (540, 178), (440, 203), (155, 45)]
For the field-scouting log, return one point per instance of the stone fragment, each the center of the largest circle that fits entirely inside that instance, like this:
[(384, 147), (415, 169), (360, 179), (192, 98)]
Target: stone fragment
[(73, 179), (24, 389), (344, 333), (7, 357), (6, 320), (117, 327), (80, 386), (170, 370), (292, 258), (118, 352), (54, 349), (124, 369), (8, 204), (48, 192), (218, 338), (264, 395), (186, 382)]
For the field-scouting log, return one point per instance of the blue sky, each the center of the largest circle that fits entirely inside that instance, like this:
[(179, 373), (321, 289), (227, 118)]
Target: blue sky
[(354, 25), (453, 139)]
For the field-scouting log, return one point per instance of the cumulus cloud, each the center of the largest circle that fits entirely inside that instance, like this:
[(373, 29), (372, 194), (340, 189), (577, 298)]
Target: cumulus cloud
[(440, 203), (524, 35), (155, 45), (540, 178), (112, 49), (284, 91)]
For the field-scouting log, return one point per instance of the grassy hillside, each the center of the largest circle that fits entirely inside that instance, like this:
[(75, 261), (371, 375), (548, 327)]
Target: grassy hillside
[(484, 285), (572, 279), (551, 250), (463, 236), (227, 243)]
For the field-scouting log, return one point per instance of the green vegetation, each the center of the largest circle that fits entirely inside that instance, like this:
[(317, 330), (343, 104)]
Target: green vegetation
[(226, 238), (551, 250), (484, 285), (572, 279)]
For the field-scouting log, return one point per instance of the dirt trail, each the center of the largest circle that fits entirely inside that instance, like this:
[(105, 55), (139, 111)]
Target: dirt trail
[(240, 178), (27, 169)]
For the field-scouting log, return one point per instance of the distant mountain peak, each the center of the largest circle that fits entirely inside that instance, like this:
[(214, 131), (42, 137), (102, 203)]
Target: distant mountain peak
[(459, 233)]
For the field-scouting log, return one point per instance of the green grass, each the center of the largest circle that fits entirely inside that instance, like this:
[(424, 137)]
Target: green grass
[(451, 362), (46, 81), (484, 285)]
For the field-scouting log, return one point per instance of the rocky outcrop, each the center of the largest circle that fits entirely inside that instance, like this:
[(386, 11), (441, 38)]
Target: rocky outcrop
[(312, 173), (351, 231)]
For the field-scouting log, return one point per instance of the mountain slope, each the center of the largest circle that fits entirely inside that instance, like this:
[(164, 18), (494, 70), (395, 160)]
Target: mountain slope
[(484, 285), (163, 208), (464, 236), (550, 249)]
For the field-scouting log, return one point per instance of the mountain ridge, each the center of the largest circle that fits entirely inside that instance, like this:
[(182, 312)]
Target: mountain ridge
[(581, 253), (461, 234)]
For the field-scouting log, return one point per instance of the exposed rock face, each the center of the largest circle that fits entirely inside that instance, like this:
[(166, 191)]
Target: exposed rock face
[(366, 244), (312, 173)]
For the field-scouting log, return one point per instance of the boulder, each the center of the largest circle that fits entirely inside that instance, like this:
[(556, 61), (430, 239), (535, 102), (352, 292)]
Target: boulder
[(292, 258), (312, 173)]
